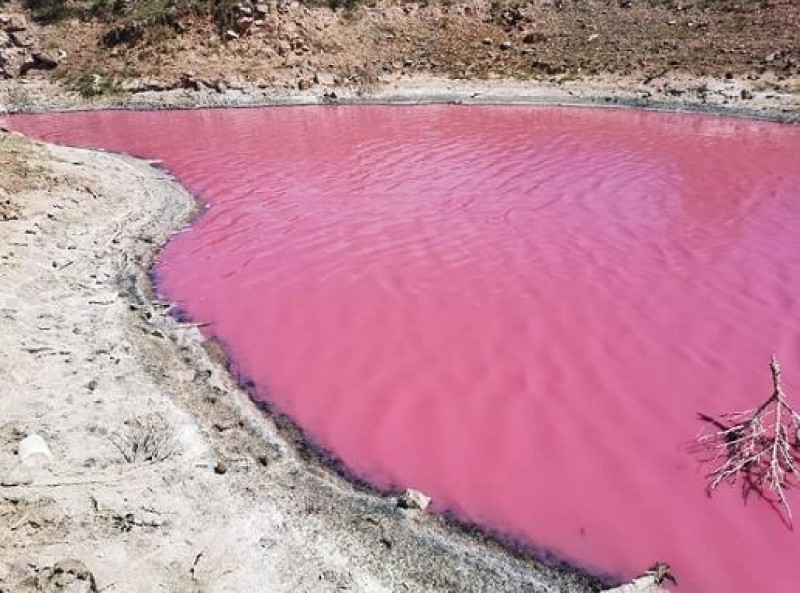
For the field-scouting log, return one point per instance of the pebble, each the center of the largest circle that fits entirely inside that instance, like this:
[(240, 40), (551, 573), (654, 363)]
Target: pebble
[(413, 499)]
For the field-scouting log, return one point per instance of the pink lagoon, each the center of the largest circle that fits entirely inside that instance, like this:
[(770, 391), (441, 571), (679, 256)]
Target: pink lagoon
[(519, 311)]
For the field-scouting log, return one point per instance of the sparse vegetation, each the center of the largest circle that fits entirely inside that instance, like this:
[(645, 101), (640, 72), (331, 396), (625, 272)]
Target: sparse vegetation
[(95, 84), (146, 439), (48, 10)]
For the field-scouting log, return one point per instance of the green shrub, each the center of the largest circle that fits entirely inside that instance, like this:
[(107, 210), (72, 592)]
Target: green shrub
[(48, 10), (95, 84)]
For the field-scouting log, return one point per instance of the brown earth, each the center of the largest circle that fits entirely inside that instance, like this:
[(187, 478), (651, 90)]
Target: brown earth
[(291, 44)]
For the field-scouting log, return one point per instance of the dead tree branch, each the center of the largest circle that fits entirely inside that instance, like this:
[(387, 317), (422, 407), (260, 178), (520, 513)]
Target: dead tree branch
[(760, 447)]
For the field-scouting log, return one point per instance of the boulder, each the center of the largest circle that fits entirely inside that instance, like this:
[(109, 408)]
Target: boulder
[(38, 61), (413, 499), (190, 81), (20, 39), (13, 22), (324, 79)]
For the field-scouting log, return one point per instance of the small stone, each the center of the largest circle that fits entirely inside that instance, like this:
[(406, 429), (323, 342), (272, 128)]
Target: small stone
[(262, 9), (505, 45), (33, 450), (304, 84), (413, 499), (487, 41), (533, 37), (221, 467), (746, 95), (593, 36), (73, 575), (230, 35)]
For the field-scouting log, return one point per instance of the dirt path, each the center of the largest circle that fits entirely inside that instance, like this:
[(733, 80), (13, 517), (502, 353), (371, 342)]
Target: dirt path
[(214, 497)]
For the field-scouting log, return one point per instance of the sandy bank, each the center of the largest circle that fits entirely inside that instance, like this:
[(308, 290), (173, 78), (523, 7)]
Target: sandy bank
[(216, 498)]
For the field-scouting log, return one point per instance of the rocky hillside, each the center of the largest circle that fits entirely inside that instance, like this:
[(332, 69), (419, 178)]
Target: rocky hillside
[(100, 46)]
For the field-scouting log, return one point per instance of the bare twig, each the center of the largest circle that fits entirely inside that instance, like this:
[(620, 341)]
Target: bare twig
[(760, 447)]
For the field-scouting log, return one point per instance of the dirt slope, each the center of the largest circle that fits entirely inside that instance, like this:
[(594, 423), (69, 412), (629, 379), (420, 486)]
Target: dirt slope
[(156, 44)]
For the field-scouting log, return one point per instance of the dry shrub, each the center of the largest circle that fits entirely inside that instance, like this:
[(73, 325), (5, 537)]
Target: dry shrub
[(146, 439)]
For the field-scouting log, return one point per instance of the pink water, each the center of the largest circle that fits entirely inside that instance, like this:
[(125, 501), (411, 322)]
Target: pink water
[(519, 311)]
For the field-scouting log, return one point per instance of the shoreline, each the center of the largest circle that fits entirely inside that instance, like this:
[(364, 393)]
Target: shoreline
[(686, 94)]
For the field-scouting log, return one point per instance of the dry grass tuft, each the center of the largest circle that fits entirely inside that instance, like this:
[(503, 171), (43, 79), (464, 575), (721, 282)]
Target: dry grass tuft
[(146, 439)]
